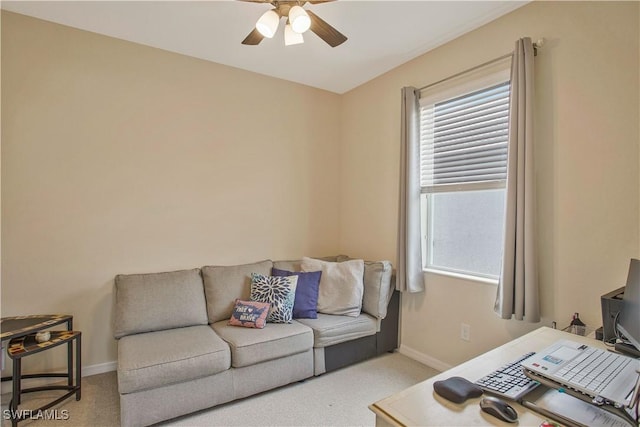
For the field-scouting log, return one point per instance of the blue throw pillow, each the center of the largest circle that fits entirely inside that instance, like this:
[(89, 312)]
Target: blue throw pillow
[(305, 305)]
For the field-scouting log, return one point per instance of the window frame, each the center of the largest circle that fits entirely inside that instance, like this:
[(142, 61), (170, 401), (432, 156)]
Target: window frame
[(498, 73)]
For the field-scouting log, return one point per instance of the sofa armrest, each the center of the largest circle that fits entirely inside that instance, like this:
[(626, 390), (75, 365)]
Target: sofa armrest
[(378, 286)]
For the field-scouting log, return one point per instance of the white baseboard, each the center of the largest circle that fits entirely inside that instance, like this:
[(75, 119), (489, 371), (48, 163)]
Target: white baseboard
[(430, 361), (87, 371), (100, 368)]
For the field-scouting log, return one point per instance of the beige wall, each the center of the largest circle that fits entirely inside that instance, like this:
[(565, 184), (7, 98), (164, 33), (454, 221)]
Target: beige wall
[(587, 152), (119, 158)]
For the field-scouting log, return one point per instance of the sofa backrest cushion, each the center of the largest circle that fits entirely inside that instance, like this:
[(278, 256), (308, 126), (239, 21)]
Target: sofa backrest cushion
[(293, 265), (159, 301), (224, 284), (296, 265), (378, 289), (341, 285), (378, 286)]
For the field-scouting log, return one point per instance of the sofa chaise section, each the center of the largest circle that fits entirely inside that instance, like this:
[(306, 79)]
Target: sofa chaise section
[(340, 341)]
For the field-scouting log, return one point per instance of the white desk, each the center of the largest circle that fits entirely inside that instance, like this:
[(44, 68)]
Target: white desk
[(420, 406)]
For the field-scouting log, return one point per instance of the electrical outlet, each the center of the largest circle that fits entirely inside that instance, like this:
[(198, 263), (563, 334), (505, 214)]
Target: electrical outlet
[(465, 332)]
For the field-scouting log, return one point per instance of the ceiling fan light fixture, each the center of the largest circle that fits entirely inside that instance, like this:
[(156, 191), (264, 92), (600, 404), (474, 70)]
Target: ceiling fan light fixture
[(291, 37), (299, 19), (267, 25)]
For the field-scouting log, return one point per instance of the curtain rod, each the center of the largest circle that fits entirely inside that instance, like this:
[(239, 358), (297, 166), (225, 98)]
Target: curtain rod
[(536, 45)]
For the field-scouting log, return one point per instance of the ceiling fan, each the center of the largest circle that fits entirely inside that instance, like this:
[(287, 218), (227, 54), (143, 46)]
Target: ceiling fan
[(299, 20)]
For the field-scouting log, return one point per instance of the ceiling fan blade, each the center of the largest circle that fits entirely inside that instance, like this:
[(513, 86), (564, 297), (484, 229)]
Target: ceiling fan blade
[(325, 31), (253, 38)]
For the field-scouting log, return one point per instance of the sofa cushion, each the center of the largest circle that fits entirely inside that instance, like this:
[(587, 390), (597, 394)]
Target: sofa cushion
[(289, 265), (224, 284), (251, 346), (295, 265), (160, 358), (329, 329), (341, 285), (157, 301), (280, 292), (306, 301), (377, 286)]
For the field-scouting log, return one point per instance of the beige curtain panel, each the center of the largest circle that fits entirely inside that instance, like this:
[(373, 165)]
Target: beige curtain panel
[(409, 277), (517, 294)]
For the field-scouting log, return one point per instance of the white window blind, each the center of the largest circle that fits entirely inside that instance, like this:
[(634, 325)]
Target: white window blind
[(464, 139)]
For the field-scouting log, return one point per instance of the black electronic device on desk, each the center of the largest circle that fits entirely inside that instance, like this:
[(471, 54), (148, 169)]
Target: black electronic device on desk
[(611, 304), (621, 314), (628, 321), (499, 409)]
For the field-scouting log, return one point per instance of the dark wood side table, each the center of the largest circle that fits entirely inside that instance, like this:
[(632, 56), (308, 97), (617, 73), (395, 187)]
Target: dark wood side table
[(21, 330)]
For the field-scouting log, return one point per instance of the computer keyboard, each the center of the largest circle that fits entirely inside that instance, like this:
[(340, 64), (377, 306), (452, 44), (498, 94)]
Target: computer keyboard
[(509, 381)]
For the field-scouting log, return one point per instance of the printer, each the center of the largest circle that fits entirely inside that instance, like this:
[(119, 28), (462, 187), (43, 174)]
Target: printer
[(611, 305)]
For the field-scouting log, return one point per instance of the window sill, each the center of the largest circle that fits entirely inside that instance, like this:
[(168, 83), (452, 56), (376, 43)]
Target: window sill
[(462, 276)]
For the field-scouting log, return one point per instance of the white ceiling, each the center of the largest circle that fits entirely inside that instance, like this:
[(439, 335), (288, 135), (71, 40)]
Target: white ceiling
[(382, 34)]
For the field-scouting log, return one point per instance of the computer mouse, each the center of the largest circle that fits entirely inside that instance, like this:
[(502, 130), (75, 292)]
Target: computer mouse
[(499, 409)]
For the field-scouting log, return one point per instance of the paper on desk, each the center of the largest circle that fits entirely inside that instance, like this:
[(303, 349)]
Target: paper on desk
[(578, 410)]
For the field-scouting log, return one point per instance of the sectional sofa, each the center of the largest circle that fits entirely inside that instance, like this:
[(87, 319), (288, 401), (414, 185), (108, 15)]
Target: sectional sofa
[(178, 354)]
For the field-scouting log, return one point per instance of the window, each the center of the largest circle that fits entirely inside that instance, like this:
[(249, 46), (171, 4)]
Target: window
[(463, 165)]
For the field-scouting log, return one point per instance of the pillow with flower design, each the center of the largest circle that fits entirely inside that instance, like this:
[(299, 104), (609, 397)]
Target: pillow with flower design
[(280, 292)]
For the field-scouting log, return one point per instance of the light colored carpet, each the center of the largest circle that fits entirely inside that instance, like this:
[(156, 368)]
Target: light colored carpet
[(339, 398)]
